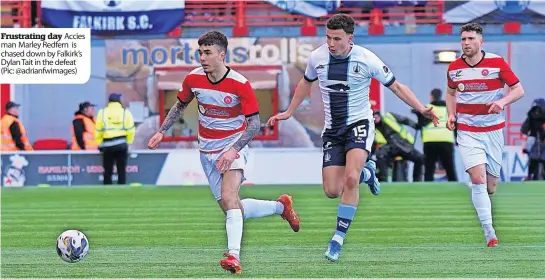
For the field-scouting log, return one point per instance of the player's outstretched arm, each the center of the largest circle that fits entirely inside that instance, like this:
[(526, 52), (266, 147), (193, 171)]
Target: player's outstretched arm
[(301, 91), (173, 115), (406, 95)]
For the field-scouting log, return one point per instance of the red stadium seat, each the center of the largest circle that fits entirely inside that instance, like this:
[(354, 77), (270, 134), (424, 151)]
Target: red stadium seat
[(51, 144)]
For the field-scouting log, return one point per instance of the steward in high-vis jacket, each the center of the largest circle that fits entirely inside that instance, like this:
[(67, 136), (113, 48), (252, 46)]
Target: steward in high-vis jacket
[(115, 131), (438, 141), (14, 136), (84, 128)]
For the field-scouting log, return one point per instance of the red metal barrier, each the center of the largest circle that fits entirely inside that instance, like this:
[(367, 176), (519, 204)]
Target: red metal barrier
[(253, 13), (5, 97), (16, 13)]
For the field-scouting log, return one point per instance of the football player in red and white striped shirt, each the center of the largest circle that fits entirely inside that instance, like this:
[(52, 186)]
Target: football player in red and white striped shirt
[(475, 102), (228, 121)]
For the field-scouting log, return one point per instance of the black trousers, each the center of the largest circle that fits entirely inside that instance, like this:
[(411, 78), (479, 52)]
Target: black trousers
[(387, 153), (118, 155), (442, 152)]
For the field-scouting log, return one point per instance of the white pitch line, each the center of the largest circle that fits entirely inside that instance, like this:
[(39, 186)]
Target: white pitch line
[(161, 249)]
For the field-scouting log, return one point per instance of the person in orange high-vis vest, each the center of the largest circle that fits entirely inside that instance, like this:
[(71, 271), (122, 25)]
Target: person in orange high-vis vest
[(84, 128), (14, 136)]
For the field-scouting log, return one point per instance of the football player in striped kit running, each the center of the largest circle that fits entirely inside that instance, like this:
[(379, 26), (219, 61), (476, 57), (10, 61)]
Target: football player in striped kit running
[(228, 121), (475, 102)]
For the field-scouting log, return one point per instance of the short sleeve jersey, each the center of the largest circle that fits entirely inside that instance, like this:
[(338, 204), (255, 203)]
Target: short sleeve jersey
[(344, 83), (478, 86), (222, 107)]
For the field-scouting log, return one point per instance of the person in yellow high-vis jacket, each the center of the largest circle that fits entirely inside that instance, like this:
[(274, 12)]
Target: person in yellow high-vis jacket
[(114, 132), (14, 136), (399, 143), (438, 141), (399, 165)]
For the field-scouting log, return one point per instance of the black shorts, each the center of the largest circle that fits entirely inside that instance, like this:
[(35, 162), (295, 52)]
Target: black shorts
[(336, 143)]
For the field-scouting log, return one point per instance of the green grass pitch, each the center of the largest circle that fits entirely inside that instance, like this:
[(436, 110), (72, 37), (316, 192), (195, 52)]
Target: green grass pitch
[(410, 230)]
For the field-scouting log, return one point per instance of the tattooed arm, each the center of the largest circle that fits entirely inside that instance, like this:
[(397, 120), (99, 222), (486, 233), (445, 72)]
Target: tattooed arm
[(173, 115), (251, 131)]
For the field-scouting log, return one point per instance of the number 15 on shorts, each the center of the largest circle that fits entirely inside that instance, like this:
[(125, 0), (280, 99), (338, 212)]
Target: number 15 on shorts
[(360, 131)]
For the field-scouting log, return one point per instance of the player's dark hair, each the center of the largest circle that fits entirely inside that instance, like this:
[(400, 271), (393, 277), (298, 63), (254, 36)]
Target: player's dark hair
[(341, 21), (472, 27), (214, 38)]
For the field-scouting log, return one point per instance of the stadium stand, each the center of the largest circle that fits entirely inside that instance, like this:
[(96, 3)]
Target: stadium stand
[(242, 15), (254, 13)]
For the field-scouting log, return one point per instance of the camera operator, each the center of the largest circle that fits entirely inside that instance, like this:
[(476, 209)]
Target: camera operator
[(534, 128)]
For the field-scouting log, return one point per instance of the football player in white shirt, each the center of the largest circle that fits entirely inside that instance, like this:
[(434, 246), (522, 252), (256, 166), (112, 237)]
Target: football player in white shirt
[(344, 72)]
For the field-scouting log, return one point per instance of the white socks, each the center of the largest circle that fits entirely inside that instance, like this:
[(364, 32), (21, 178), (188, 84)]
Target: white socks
[(261, 208), (252, 209), (481, 202), (366, 173), (233, 225)]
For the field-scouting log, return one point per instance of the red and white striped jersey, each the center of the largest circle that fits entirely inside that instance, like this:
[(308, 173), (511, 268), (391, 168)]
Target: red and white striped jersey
[(478, 86), (223, 107)]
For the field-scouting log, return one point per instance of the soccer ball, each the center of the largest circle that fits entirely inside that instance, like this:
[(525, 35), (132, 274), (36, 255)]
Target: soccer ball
[(72, 246)]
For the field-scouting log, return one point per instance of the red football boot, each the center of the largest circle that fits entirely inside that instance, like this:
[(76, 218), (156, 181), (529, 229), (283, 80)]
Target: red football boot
[(231, 264), (493, 242), (289, 214)]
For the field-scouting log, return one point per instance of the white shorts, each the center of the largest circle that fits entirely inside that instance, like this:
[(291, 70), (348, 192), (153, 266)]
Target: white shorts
[(209, 161), (482, 148)]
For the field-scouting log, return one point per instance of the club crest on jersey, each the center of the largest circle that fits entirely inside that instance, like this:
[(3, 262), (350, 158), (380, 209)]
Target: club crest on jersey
[(461, 87), (484, 72), (227, 99)]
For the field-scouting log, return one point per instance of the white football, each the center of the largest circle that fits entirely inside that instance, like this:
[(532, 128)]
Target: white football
[(72, 246)]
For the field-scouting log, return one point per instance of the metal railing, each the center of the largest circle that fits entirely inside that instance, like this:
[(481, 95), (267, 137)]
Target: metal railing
[(16, 14), (254, 13)]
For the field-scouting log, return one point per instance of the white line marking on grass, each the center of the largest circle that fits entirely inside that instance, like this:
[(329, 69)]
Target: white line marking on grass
[(305, 248)]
